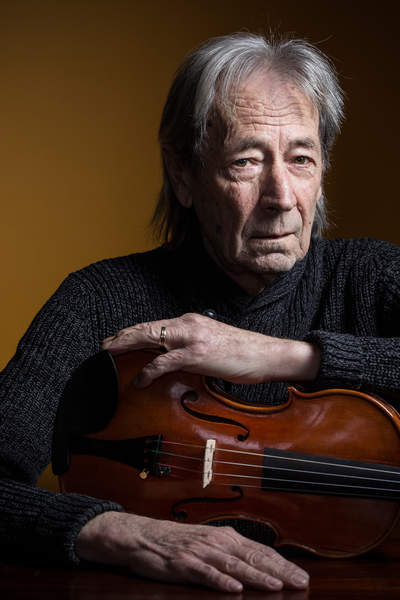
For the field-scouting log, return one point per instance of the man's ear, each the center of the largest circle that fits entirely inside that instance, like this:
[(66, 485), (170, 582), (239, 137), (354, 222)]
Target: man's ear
[(179, 177)]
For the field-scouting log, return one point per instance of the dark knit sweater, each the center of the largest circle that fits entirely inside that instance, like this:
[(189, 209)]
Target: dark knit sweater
[(344, 296)]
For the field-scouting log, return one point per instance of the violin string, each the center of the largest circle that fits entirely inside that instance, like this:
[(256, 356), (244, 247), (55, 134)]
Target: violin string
[(318, 483), (184, 444), (266, 467), (196, 471), (178, 455), (278, 479), (293, 458), (276, 468), (271, 468), (314, 462)]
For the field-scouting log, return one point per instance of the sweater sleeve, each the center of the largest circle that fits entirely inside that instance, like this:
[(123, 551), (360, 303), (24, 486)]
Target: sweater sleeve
[(35, 521), (370, 362)]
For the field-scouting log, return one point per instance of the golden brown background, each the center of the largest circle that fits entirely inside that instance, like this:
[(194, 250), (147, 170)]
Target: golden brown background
[(82, 87)]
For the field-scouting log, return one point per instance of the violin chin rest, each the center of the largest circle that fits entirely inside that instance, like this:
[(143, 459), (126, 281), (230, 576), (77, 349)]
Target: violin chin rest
[(87, 405)]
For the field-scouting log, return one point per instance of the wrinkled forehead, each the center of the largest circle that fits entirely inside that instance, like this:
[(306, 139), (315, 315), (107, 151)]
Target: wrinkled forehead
[(263, 97)]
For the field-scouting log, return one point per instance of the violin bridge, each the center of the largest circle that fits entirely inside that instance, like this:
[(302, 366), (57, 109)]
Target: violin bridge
[(208, 462)]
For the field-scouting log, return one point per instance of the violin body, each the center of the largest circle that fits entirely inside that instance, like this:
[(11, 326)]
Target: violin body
[(268, 464)]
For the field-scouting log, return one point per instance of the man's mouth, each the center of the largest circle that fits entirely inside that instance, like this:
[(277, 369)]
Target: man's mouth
[(270, 236)]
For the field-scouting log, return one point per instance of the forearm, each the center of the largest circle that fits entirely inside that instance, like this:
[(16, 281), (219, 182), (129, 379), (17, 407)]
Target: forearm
[(292, 360)]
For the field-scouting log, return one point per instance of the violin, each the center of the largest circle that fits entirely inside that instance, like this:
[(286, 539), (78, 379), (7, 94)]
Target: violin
[(322, 470)]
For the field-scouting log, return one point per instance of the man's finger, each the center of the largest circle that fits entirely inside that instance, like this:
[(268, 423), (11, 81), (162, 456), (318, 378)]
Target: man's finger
[(266, 559), (183, 567), (195, 570), (243, 572), (144, 335), (162, 364)]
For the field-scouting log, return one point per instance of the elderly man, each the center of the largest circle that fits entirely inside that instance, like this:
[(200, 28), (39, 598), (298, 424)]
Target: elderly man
[(245, 136)]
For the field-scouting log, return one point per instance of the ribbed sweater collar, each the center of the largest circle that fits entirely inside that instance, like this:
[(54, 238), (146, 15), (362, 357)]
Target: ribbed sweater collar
[(207, 283)]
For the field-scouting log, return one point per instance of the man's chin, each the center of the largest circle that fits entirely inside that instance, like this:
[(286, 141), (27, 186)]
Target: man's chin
[(274, 263), (253, 273)]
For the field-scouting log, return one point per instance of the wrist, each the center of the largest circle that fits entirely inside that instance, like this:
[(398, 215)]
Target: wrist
[(294, 361), (104, 539), (305, 360)]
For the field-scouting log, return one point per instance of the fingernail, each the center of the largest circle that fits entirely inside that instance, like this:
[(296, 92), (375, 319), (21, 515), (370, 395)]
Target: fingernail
[(273, 583), (235, 586), (137, 382), (300, 579)]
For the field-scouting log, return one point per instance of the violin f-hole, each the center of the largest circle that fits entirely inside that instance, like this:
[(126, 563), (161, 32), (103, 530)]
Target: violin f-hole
[(191, 396), (182, 515)]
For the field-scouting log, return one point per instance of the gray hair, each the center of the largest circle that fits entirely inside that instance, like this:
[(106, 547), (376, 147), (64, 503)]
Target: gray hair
[(213, 72)]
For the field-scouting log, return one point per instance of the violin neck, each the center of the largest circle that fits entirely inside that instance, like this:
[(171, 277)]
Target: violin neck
[(310, 473)]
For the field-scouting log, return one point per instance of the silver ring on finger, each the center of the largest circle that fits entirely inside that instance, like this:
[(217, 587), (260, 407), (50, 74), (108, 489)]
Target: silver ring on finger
[(163, 337)]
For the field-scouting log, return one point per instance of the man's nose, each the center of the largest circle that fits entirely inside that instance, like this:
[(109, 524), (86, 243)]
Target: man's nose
[(276, 188)]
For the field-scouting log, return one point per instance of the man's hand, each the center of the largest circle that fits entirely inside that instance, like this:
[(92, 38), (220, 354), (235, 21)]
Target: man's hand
[(198, 344), (217, 557)]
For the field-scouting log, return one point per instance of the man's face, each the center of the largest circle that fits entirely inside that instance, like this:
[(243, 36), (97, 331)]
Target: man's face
[(255, 197)]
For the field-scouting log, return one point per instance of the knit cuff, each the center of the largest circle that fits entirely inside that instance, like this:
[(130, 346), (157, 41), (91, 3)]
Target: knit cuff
[(342, 359), (61, 521)]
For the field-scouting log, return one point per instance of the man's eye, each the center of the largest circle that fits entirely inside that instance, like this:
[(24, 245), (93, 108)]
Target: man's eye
[(241, 162), (301, 160)]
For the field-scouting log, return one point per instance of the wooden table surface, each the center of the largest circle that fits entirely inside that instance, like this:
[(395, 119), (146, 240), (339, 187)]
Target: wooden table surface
[(374, 576)]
